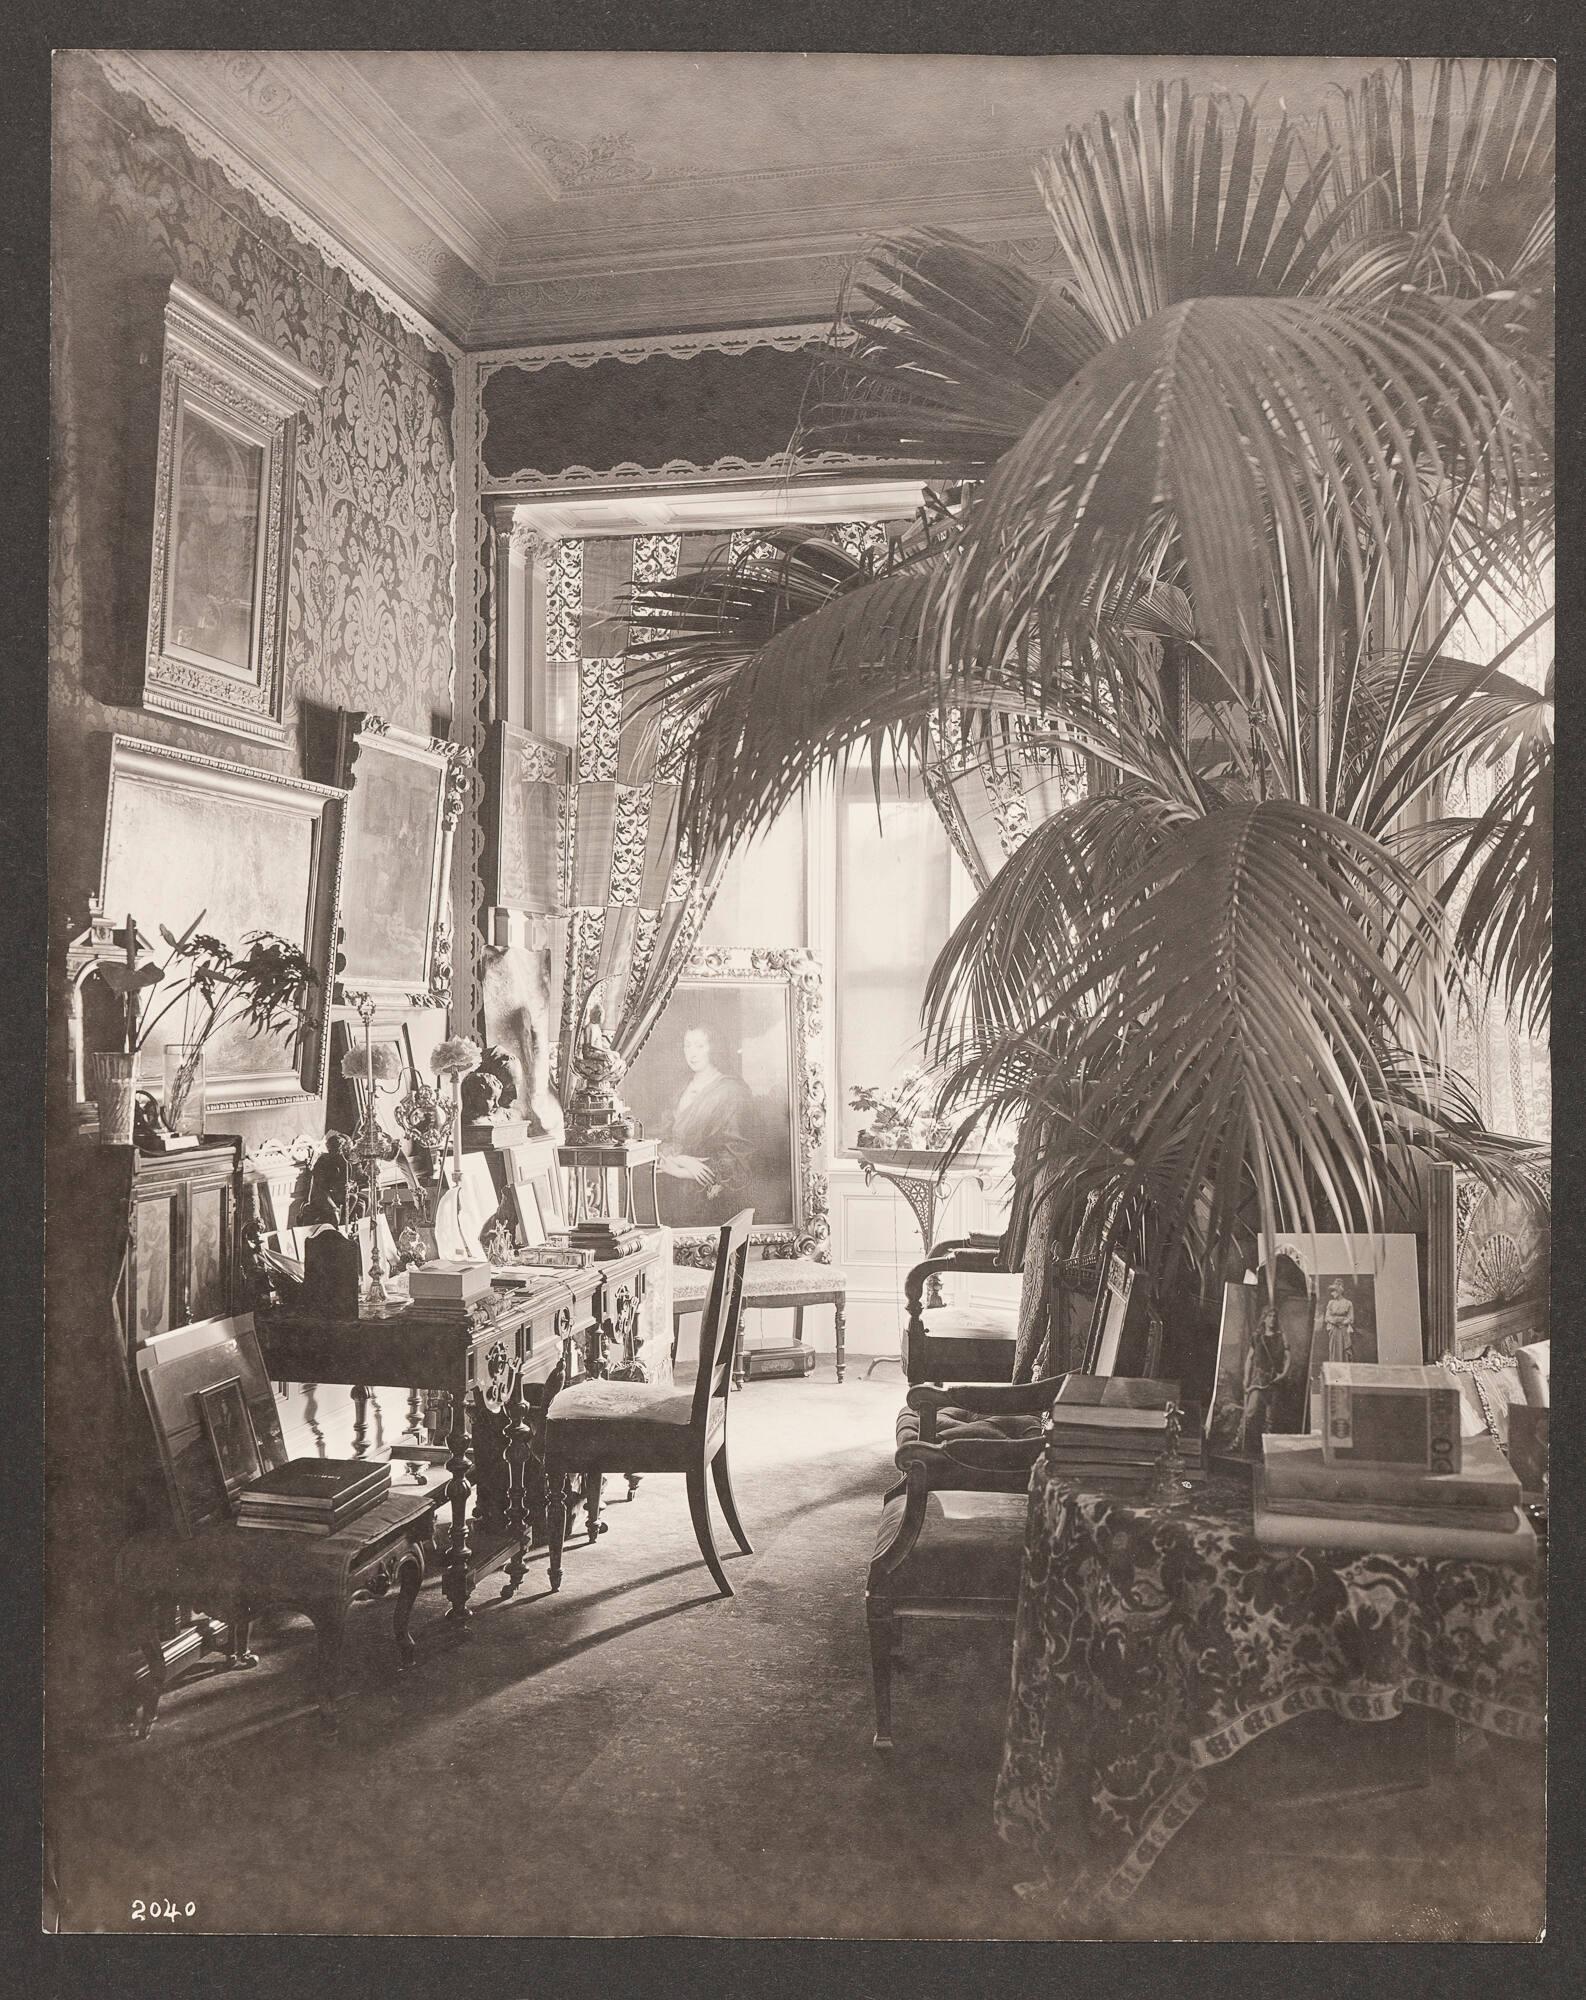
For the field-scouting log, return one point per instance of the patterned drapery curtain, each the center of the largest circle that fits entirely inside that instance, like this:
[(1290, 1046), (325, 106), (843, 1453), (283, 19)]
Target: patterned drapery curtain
[(632, 899)]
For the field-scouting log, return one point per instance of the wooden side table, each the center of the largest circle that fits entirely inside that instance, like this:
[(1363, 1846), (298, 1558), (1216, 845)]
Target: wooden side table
[(246, 1570)]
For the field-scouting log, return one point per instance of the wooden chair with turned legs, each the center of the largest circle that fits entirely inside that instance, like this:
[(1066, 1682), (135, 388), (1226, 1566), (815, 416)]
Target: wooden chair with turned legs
[(640, 1427)]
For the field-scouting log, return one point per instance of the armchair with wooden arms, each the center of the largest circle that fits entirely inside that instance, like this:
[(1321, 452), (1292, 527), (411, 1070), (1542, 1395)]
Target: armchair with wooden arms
[(952, 1527)]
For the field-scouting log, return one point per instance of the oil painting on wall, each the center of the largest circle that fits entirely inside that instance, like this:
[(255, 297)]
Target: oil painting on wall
[(714, 1085)]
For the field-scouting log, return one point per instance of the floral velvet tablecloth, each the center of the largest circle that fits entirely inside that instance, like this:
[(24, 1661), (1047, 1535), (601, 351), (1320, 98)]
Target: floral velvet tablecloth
[(1152, 1645)]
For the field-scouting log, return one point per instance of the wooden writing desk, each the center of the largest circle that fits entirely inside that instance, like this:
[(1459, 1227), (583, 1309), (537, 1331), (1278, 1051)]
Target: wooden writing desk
[(502, 1366)]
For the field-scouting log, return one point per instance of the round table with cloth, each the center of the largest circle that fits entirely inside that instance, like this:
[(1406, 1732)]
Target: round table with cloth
[(1152, 1644)]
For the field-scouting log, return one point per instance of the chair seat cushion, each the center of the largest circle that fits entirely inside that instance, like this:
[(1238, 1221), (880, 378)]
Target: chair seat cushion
[(784, 1276), (970, 1545), (993, 1444), (969, 1323), (600, 1402)]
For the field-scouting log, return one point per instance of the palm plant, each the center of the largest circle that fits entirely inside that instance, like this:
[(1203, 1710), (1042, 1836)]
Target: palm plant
[(1279, 424)]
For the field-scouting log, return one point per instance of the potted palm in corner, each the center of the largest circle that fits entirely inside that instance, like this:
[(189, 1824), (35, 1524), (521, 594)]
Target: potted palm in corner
[(1215, 498)]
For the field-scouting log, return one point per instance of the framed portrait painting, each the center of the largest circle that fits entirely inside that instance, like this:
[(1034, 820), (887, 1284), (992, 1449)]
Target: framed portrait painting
[(189, 836), (404, 797), (221, 545), (728, 1083)]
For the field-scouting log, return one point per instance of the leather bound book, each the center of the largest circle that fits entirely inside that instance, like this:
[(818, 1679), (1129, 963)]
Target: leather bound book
[(1297, 1471)]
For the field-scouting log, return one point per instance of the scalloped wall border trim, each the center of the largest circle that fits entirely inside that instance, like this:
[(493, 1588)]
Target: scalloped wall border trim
[(641, 346), (779, 466), (125, 72)]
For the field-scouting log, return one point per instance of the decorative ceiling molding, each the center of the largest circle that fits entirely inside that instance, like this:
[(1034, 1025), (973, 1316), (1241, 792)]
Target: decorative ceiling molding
[(608, 160), (402, 163), (127, 72), (640, 347), (492, 115)]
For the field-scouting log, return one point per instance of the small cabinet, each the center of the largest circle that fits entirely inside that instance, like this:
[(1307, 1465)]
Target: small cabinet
[(182, 1239)]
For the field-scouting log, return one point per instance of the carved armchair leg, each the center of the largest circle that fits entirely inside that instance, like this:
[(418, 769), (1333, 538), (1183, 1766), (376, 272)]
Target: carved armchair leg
[(594, 1482), (633, 1483), (410, 1576), (839, 1327), (883, 1643)]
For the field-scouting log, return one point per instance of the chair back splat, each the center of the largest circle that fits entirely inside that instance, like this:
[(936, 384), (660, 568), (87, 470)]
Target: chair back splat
[(718, 1334), (636, 1427)]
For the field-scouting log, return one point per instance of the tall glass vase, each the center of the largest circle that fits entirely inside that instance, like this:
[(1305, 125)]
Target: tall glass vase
[(112, 1078), (184, 1087)]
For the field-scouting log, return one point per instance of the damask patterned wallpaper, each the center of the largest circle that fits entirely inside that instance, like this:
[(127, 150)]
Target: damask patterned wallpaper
[(369, 619)]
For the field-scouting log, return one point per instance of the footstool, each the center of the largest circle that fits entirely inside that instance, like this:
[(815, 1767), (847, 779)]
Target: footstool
[(770, 1283), (939, 1555)]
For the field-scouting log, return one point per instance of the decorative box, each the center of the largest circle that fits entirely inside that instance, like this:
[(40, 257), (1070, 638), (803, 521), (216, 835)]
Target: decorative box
[(1389, 1416)]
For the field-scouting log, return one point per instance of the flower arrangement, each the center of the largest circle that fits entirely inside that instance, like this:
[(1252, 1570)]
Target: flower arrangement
[(898, 1113)]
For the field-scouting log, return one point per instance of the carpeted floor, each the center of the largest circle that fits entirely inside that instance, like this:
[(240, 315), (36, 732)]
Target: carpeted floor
[(637, 1756)]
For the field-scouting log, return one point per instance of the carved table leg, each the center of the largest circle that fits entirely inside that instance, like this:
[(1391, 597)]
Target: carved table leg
[(329, 1616), (839, 1326), (410, 1576), (517, 1441), (154, 1660), (456, 1580), (237, 1654)]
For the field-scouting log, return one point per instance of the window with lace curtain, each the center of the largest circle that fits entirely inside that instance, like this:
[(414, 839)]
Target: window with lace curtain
[(1509, 1067)]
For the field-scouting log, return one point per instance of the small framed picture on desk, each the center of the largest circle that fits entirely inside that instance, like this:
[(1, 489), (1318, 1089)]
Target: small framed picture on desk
[(231, 1436)]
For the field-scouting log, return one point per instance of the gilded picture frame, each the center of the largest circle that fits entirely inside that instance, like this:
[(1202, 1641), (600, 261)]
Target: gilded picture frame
[(404, 797), (220, 555), (762, 1010), (248, 850)]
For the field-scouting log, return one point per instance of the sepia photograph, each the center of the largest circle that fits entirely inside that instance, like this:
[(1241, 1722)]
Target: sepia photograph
[(755, 753)]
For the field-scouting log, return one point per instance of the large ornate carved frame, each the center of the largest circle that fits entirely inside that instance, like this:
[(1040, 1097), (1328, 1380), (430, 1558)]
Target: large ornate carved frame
[(244, 789), (799, 971), (215, 368), (363, 736)]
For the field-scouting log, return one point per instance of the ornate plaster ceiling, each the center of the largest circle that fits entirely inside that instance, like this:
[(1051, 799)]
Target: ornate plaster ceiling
[(514, 198)]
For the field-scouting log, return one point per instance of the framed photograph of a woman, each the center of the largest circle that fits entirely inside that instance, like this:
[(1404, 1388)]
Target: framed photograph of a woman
[(221, 545), (726, 1083)]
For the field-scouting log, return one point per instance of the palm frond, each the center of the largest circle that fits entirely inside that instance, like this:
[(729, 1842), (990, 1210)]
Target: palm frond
[(1185, 198), (955, 349), (1248, 429), (1227, 1000)]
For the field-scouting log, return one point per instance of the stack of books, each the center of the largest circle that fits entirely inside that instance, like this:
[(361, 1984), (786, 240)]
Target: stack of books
[(605, 1239), (449, 1286), (1391, 1474), (1109, 1433), (314, 1496)]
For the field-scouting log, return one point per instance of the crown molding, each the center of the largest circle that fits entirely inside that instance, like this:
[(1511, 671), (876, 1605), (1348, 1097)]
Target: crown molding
[(126, 71), (505, 131), (362, 120)]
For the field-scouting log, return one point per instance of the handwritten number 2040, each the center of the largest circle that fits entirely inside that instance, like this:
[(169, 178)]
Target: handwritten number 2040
[(154, 1909)]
